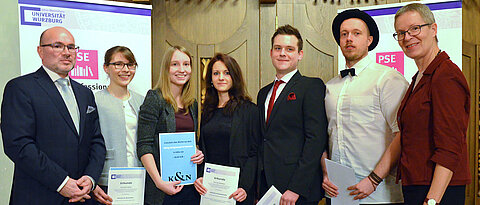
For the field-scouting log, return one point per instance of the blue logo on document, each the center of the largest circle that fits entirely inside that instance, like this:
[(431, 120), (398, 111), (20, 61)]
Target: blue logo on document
[(34, 16), (210, 170)]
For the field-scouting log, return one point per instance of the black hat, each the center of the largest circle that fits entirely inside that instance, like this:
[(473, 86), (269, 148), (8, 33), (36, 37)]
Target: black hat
[(356, 13)]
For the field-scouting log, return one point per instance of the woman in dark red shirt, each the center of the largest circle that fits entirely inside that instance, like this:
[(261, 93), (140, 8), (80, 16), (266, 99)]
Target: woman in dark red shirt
[(432, 118)]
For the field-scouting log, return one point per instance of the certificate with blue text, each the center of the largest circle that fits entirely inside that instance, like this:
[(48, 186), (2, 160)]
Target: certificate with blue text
[(126, 185), (175, 152)]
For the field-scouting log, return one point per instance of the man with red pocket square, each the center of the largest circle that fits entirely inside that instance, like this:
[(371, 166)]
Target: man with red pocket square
[(361, 105), (293, 125)]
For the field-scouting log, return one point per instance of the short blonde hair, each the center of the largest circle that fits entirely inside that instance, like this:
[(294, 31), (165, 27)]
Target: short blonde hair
[(421, 9), (163, 83)]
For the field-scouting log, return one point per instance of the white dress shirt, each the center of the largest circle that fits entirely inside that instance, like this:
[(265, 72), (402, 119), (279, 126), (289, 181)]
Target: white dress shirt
[(361, 112), (285, 79), (131, 129)]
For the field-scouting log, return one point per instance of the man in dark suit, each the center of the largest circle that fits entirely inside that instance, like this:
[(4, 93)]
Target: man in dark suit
[(50, 128), (293, 125)]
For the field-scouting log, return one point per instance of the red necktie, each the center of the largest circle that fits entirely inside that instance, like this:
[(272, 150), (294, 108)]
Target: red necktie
[(272, 98)]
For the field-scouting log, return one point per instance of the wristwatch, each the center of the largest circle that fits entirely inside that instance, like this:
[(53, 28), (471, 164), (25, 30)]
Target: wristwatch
[(431, 201)]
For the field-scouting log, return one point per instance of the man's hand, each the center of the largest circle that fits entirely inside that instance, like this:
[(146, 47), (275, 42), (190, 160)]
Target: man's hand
[(70, 189), (199, 186), (289, 198), (239, 195), (85, 183), (197, 158), (363, 189), (101, 196), (329, 187)]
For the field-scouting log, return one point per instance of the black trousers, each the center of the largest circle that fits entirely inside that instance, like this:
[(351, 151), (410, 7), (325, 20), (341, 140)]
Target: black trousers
[(416, 194), (188, 196), (329, 202)]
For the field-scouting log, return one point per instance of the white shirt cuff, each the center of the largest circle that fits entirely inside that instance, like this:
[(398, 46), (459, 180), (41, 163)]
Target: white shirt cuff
[(63, 184), (93, 183)]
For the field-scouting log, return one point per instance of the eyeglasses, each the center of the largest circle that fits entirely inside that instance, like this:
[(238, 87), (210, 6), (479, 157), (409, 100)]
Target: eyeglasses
[(412, 31), (58, 47), (121, 65)]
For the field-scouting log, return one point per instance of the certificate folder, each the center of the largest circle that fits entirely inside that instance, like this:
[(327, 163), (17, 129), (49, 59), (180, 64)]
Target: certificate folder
[(175, 152)]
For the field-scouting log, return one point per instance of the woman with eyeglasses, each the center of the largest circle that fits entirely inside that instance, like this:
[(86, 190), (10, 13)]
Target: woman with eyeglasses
[(229, 128), (432, 118), (118, 112), (169, 107)]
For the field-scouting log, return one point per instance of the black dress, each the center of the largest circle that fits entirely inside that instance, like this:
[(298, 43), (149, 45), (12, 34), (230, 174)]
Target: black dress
[(216, 133)]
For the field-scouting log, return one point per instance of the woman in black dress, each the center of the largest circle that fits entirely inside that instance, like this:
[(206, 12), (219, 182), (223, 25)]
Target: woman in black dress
[(229, 130)]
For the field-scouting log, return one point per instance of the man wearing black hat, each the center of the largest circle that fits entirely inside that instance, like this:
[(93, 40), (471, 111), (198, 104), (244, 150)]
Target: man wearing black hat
[(361, 105)]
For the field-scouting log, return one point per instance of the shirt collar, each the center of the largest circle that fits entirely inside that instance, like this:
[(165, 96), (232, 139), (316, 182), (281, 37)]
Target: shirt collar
[(287, 76), (361, 65), (54, 76)]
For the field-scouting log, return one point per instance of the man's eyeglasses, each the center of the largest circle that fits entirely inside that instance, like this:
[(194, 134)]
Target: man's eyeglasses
[(58, 47), (412, 31), (120, 65)]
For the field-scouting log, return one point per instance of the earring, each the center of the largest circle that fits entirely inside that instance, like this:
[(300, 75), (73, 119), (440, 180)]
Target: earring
[(211, 84)]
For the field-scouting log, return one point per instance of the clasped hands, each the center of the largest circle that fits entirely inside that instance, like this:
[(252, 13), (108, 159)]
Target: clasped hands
[(77, 190)]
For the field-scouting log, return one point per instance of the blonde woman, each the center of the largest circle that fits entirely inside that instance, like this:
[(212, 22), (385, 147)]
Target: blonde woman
[(169, 107)]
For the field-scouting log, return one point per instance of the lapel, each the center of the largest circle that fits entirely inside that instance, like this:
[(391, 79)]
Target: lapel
[(45, 82), (82, 106), (427, 77), (262, 96), (280, 100), (170, 117)]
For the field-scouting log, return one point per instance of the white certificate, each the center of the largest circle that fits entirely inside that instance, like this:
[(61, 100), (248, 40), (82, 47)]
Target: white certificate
[(126, 185), (221, 182), (272, 197), (342, 177)]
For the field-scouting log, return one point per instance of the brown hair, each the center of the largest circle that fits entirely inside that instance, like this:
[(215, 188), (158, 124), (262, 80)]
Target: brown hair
[(289, 30), (126, 52), (238, 92)]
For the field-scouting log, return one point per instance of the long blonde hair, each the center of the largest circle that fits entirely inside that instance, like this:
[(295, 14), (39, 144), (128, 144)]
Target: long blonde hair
[(163, 84)]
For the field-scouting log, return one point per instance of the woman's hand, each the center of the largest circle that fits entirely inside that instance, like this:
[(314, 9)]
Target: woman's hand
[(170, 188), (239, 195), (199, 186), (197, 158)]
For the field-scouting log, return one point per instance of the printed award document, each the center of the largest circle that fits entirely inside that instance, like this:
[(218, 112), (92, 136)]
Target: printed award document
[(342, 177), (221, 182), (272, 197), (175, 152), (126, 185)]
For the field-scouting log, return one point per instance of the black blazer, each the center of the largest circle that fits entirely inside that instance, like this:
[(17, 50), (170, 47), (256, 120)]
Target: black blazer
[(39, 136), (244, 139), (156, 116), (295, 137)]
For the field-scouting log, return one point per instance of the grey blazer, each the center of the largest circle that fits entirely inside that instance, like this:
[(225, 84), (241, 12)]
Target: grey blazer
[(112, 124), (156, 116)]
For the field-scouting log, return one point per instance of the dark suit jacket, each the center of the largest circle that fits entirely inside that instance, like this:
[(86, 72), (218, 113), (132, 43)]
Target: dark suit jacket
[(244, 139), (156, 116), (40, 138), (433, 120), (295, 137)]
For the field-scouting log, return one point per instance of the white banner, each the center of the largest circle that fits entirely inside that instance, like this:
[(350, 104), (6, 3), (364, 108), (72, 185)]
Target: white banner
[(97, 26), (448, 16)]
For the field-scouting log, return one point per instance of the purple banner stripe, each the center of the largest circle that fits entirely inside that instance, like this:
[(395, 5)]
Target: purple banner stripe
[(432, 6), (89, 6)]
